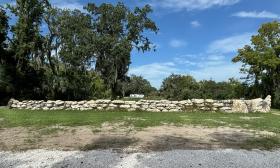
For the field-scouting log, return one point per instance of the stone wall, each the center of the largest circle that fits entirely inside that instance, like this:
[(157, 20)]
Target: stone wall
[(244, 106)]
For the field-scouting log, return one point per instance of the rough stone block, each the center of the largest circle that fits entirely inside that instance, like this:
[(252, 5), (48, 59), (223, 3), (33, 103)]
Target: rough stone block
[(197, 101), (125, 106), (118, 102)]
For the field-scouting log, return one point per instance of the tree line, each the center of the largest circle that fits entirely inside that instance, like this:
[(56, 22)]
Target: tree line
[(52, 53), (182, 87)]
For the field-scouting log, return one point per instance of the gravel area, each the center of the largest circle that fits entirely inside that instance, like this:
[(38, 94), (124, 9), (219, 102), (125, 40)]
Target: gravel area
[(108, 158)]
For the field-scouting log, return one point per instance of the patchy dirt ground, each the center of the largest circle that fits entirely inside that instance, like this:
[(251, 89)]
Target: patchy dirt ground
[(120, 137)]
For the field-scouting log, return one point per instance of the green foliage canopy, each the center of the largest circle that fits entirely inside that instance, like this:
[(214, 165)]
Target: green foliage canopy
[(179, 87), (138, 85)]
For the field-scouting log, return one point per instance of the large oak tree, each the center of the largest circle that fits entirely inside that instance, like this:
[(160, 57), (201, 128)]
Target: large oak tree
[(261, 61), (118, 31)]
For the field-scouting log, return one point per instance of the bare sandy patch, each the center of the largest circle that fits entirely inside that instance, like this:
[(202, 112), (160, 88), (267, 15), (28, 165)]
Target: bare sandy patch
[(122, 137)]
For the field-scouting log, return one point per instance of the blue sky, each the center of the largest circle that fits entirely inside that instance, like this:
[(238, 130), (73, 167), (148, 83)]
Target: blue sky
[(196, 37)]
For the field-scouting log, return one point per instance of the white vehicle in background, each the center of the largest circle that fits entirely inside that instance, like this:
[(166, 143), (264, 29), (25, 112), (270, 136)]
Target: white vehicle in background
[(138, 96)]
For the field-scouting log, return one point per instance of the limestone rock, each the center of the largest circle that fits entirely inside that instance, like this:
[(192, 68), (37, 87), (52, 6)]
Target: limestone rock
[(102, 101), (240, 106), (113, 106), (129, 102), (125, 106), (267, 104), (118, 102), (185, 102), (59, 103), (260, 105), (218, 104), (134, 106), (198, 101), (49, 105), (209, 101)]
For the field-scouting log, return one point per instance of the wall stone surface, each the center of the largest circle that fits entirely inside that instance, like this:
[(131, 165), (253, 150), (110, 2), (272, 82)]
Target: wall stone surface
[(230, 106)]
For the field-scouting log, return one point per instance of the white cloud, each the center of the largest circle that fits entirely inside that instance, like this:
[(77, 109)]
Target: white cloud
[(155, 72), (201, 60), (229, 44), (183, 61), (188, 59), (192, 4), (255, 14), (219, 73), (195, 23), (215, 57), (175, 43)]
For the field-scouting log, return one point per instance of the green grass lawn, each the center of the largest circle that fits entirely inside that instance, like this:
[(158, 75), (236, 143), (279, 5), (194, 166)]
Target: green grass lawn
[(27, 118)]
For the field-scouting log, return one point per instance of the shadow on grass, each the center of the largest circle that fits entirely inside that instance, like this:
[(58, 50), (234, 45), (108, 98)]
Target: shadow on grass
[(263, 143), (110, 142), (237, 140), (217, 141), (167, 143)]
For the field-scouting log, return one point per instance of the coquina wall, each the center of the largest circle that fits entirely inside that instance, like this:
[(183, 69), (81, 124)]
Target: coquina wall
[(244, 106)]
